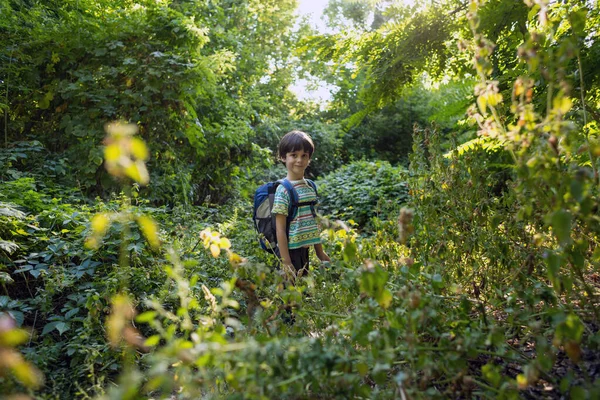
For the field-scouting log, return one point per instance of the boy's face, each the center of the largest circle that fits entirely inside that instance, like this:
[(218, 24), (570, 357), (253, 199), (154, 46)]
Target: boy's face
[(296, 163)]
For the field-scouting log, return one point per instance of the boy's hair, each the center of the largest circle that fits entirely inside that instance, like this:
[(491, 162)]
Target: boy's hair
[(294, 141)]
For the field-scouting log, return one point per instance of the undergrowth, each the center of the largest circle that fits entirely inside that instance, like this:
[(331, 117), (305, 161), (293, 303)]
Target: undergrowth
[(485, 286)]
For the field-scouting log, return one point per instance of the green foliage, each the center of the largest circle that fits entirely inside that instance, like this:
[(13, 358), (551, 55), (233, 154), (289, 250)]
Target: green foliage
[(362, 190), (391, 56), (448, 103), (495, 295), (506, 205), (386, 134), (72, 66), (327, 137), (24, 193), (13, 368)]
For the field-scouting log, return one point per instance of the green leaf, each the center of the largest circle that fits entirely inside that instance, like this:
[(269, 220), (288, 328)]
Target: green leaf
[(553, 261), (533, 12), (385, 298), (492, 374), (362, 368), (5, 277), (45, 101), (26, 268), (561, 226), (62, 327), (575, 327), (565, 383), (577, 190), (578, 393), (350, 251), (18, 316), (72, 312), (152, 341), (437, 281), (49, 327), (146, 316), (577, 19), (8, 247), (596, 254)]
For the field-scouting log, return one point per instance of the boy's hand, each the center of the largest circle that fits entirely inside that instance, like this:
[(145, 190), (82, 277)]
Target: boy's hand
[(290, 272), (321, 253)]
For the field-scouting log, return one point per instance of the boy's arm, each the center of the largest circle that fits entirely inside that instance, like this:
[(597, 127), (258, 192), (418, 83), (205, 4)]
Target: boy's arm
[(320, 252), (282, 242)]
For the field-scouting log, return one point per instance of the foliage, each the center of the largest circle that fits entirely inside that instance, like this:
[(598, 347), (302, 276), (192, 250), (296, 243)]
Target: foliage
[(484, 286), (70, 67), (386, 134), (382, 85), (527, 228), (362, 190), (12, 364), (327, 138), (391, 56)]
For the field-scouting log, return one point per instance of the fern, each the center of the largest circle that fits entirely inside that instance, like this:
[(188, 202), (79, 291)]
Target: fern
[(8, 247), (490, 145), (10, 210)]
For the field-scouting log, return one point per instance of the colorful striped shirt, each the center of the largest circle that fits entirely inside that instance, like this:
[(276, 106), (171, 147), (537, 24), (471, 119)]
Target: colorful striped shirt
[(304, 231)]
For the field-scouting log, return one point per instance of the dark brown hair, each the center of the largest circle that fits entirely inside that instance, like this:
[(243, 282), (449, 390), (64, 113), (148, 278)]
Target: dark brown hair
[(294, 141)]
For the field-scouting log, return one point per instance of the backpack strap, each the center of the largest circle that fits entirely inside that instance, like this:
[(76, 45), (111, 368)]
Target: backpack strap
[(312, 204), (292, 206), (295, 203), (312, 185)]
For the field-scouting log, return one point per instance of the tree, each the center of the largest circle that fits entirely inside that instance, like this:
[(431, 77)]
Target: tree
[(196, 93)]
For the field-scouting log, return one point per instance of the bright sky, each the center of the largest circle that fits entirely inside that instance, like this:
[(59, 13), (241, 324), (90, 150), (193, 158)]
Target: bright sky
[(313, 8)]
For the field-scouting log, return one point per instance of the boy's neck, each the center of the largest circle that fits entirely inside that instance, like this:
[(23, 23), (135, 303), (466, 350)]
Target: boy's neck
[(291, 177)]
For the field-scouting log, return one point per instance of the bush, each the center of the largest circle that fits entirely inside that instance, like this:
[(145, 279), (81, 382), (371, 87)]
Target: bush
[(327, 138), (362, 190)]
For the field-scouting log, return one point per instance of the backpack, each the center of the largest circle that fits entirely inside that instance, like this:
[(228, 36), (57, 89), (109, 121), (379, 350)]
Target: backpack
[(264, 220)]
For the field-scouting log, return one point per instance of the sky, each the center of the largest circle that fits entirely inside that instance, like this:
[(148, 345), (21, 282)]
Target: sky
[(313, 8)]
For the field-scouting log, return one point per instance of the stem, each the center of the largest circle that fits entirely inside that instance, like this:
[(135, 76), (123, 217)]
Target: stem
[(550, 85), (292, 379), (486, 386), (549, 98), (6, 109), (82, 391), (33, 327), (587, 139), (581, 87), (497, 119), (126, 218), (326, 314)]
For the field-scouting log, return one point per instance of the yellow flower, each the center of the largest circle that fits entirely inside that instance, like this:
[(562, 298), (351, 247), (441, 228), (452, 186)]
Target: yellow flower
[(215, 250), (224, 243), (235, 259), (100, 224)]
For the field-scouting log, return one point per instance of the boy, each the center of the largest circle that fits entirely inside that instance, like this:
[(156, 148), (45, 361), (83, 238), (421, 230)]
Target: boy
[(295, 150)]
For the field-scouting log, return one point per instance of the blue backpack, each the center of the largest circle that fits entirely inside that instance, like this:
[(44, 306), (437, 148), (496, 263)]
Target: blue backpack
[(264, 220)]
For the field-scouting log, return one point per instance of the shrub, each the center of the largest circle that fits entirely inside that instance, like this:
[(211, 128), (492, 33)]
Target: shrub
[(362, 190)]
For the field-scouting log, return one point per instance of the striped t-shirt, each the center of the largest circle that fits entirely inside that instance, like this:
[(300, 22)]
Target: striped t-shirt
[(304, 231)]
